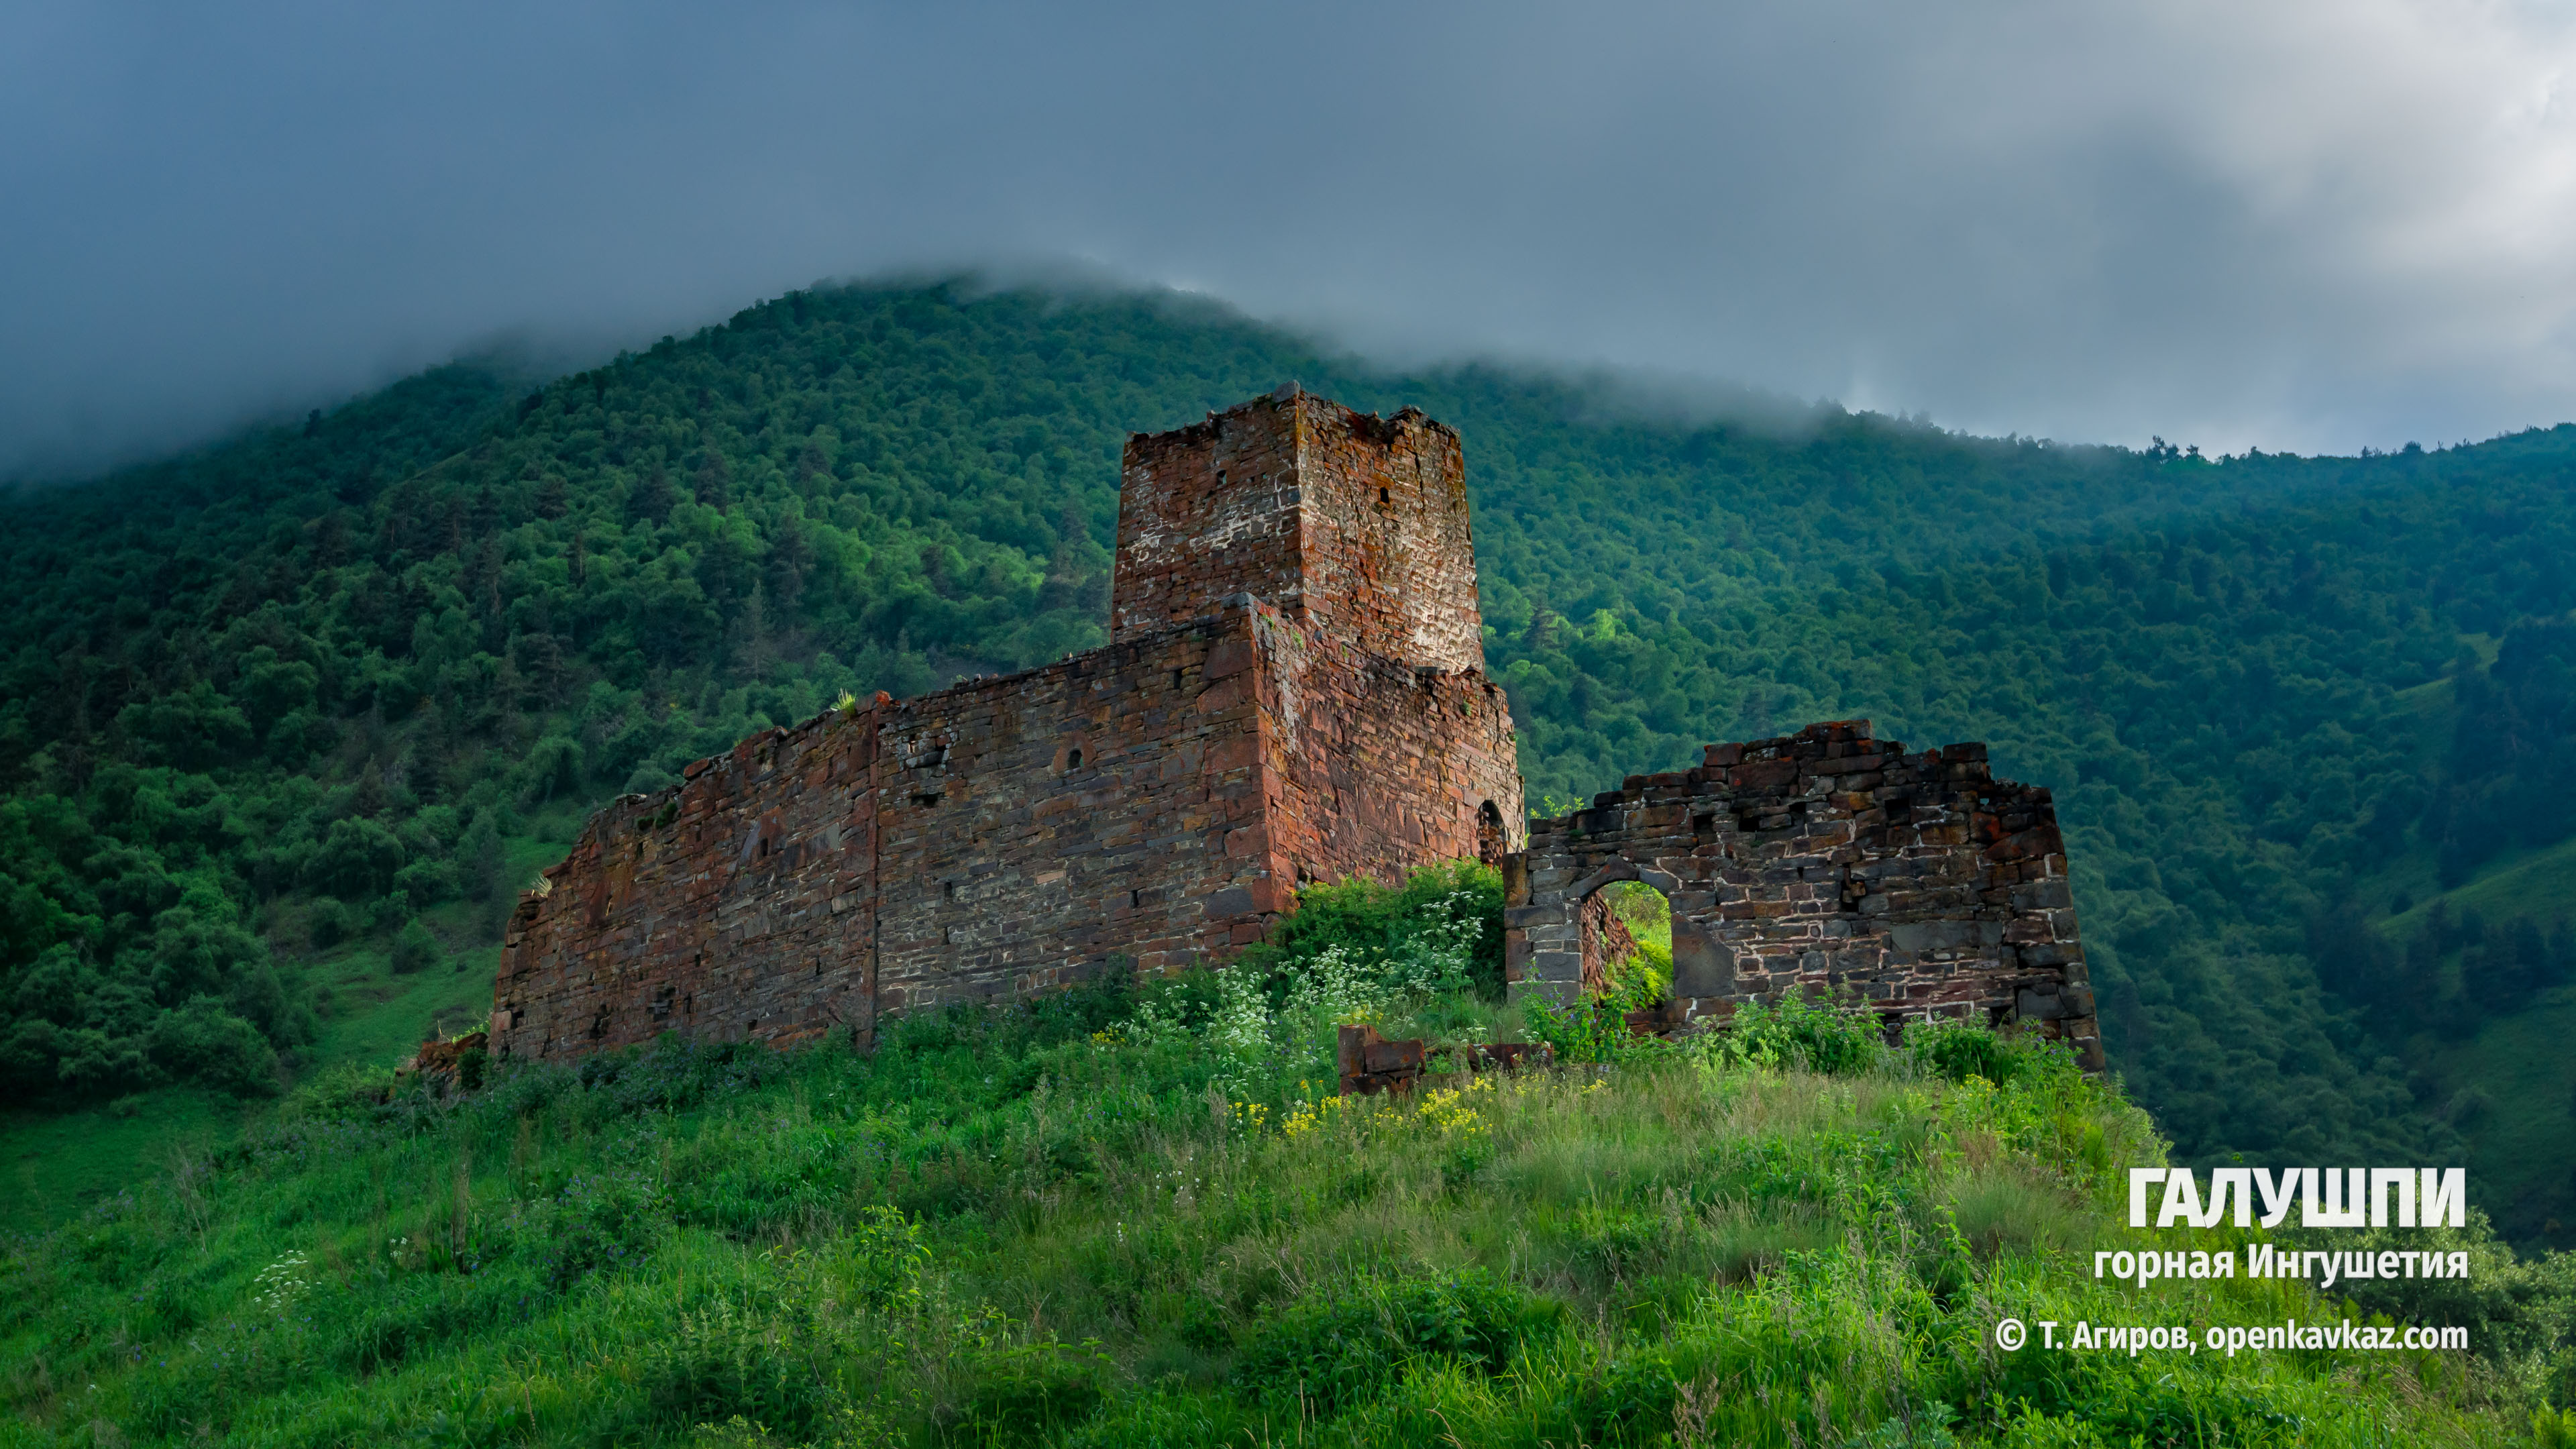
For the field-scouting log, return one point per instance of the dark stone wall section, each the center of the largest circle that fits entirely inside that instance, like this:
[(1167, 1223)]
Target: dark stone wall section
[(1830, 863)]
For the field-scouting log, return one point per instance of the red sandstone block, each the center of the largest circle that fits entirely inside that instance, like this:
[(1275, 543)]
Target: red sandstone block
[(1229, 657), (1763, 774)]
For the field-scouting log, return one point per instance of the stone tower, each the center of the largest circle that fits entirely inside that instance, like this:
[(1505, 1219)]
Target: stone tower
[(1345, 522)]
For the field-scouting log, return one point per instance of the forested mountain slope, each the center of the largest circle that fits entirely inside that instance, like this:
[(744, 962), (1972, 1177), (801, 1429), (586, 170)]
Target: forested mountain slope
[(299, 687)]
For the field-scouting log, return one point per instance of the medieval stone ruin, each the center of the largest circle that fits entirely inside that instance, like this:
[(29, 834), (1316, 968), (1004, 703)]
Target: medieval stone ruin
[(1824, 862), (1293, 691)]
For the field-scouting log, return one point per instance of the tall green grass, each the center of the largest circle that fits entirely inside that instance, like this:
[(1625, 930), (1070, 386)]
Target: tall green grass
[(1120, 1219)]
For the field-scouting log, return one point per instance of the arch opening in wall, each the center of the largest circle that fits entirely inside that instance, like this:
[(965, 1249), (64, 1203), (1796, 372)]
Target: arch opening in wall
[(1627, 936), (1492, 841)]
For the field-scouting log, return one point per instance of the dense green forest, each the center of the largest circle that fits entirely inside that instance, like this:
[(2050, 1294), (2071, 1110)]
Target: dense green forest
[(310, 685)]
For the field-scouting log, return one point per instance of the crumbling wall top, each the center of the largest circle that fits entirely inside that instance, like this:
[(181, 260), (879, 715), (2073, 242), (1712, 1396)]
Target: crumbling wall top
[(1347, 521)]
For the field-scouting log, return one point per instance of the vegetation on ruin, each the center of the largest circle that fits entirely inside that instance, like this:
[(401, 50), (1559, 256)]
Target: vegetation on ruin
[(267, 707), (1124, 1218)]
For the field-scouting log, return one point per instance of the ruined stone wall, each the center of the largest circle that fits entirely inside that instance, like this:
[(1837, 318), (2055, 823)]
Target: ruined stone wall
[(1206, 512), (719, 907), (1390, 563), (1348, 522), (1147, 805), (1826, 862), (1074, 813), (1003, 837)]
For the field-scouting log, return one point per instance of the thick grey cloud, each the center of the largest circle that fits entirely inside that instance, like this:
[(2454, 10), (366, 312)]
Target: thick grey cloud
[(2312, 224)]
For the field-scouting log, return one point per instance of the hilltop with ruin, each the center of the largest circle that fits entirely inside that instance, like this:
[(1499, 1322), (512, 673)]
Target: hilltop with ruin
[(1293, 692)]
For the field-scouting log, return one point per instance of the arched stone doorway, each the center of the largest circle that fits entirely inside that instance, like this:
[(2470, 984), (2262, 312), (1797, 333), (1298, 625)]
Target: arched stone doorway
[(1698, 969)]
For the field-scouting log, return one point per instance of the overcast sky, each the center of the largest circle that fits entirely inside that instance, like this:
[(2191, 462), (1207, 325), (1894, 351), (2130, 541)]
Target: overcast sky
[(2311, 224)]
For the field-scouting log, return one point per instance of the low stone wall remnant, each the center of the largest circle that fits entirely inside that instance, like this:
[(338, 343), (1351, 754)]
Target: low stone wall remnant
[(1828, 863)]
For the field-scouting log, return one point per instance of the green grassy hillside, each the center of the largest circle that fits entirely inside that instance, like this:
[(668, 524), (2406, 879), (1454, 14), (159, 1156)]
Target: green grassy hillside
[(265, 707), (56, 1157), (2504, 1082), (1120, 1220), (2485, 1050), (2537, 884)]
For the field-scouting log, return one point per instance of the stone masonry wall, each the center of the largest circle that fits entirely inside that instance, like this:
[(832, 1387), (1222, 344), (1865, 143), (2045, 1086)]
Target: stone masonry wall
[(996, 839), (1151, 804), (1390, 561), (1824, 862), (1206, 512), (1377, 768)]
